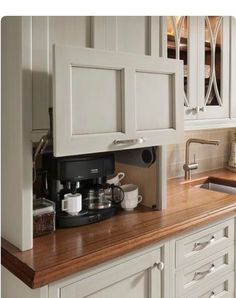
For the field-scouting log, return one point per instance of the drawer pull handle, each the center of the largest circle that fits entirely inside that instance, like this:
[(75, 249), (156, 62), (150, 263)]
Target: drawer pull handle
[(129, 142), (160, 265), (212, 295), (202, 274), (201, 245)]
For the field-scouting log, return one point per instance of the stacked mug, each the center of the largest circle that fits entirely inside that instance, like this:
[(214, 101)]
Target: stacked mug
[(131, 194)]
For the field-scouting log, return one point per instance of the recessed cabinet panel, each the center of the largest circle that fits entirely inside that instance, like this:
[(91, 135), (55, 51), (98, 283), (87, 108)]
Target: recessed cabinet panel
[(133, 34), (153, 98), (133, 286), (96, 100), (47, 31)]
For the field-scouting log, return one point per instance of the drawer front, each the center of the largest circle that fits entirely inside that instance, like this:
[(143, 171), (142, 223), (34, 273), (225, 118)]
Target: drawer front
[(204, 243), (190, 278), (222, 288)]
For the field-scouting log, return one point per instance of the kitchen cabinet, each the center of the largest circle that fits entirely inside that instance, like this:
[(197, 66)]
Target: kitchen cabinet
[(45, 32), (142, 275), (29, 64), (138, 35), (204, 262), (199, 263), (110, 101), (203, 43)]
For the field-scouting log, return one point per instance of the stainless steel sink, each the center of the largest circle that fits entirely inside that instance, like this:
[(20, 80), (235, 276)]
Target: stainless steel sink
[(220, 185)]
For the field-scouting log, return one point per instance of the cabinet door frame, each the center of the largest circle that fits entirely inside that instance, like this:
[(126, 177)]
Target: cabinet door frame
[(66, 57), (219, 111), (143, 259)]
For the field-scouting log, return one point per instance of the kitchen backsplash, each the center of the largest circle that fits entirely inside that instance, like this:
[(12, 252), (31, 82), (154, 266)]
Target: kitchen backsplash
[(207, 156)]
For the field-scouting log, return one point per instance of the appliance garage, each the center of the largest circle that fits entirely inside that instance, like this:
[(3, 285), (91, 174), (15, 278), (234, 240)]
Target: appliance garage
[(119, 133)]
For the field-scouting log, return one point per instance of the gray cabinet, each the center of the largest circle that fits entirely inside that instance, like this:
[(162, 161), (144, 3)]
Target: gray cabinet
[(204, 262), (141, 275), (107, 101), (203, 43), (137, 35), (47, 31)]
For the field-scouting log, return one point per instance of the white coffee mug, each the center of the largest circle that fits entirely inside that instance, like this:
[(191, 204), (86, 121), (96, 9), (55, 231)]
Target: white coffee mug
[(116, 179), (72, 203), (131, 197)]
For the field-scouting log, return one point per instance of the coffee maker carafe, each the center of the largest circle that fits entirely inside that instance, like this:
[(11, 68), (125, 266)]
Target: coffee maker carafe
[(78, 187)]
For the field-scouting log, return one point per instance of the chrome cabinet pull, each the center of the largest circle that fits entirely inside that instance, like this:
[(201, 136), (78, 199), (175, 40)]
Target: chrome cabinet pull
[(160, 265), (129, 142), (201, 245), (202, 274), (212, 294)]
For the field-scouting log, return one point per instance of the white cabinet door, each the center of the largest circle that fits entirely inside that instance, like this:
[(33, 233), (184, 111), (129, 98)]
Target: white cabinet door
[(181, 43), (123, 34), (139, 276), (107, 101), (203, 43), (213, 67)]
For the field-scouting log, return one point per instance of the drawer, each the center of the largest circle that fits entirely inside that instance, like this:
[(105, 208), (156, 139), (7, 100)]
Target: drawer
[(222, 288), (204, 243), (200, 274)]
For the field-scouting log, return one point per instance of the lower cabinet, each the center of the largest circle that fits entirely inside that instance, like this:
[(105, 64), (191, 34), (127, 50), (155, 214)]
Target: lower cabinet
[(203, 262), (141, 276)]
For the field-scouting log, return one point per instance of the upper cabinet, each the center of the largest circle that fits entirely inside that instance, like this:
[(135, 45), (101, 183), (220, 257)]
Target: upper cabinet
[(203, 43), (107, 101), (138, 35), (47, 31)]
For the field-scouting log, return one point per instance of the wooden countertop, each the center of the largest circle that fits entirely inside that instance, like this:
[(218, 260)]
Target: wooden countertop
[(68, 251)]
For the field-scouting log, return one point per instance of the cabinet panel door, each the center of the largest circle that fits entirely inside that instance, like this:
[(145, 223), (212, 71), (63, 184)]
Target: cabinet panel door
[(182, 45), (137, 277), (106, 101), (47, 31), (213, 68)]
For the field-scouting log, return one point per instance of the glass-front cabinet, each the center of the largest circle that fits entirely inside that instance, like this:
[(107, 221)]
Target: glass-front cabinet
[(203, 43)]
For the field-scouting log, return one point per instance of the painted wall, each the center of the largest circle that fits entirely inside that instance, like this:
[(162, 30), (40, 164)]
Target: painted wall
[(207, 156)]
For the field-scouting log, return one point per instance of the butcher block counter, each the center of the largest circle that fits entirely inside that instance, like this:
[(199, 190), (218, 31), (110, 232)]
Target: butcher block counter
[(68, 251)]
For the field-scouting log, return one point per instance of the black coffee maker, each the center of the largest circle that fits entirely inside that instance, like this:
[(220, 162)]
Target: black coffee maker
[(85, 175)]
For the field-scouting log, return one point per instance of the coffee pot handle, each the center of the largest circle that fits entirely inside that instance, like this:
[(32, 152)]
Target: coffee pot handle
[(117, 200)]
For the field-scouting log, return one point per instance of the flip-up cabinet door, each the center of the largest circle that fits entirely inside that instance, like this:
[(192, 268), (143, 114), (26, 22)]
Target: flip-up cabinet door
[(105, 101)]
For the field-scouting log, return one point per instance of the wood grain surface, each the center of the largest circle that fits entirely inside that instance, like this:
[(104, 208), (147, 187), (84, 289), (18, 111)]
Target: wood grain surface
[(68, 251)]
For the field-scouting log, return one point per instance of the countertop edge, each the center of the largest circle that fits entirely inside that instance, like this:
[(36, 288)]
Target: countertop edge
[(35, 279)]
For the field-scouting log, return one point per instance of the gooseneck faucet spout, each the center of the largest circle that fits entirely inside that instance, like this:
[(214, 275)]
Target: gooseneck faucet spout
[(188, 167)]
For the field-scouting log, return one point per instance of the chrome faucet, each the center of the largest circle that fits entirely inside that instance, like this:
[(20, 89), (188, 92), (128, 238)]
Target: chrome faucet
[(188, 167)]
